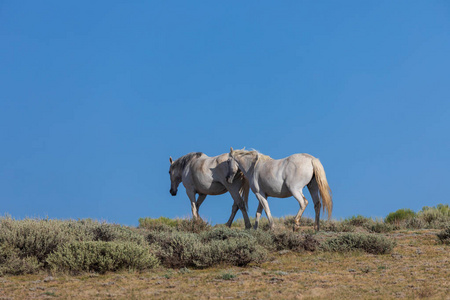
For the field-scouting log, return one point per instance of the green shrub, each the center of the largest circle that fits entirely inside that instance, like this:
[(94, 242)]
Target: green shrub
[(227, 275), (435, 217), (439, 224), (193, 225), (183, 249), (223, 233), (101, 257), (371, 243), (111, 232), (399, 215), (359, 221), (336, 226), (11, 263), (161, 222), (380, 227), (444, 235), (414, 223), (27, 243), (329, 225), (38, 238), (287, 240), (310, 243), (263, 238), (443, 209), (237, 251)]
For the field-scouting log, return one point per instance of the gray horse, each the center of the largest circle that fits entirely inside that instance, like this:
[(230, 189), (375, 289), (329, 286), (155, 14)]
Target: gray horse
[(204, 175), (283, 178)]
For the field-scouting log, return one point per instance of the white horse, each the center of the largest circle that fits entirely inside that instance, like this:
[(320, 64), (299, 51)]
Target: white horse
[(204, 176), (283, 178)]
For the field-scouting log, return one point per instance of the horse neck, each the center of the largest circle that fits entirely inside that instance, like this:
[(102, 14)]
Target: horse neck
[(186, 165)]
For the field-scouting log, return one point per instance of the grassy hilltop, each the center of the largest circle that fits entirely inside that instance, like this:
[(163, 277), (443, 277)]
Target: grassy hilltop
[(404, 255)]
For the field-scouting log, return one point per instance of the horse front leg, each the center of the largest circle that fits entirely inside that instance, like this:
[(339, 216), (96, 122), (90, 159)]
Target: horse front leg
[(191, 195), (238, 204), (234, 210), (263, 201), (200, 199)]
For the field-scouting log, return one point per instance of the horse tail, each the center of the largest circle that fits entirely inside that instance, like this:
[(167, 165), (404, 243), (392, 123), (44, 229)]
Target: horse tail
[(244, 191), (324, 188)]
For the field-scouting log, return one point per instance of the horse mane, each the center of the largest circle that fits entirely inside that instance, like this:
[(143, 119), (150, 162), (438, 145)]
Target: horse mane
[(253, 152), (184, 160)]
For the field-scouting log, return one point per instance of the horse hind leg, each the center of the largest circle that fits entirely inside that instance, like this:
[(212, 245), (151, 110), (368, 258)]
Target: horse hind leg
[(298, 195), (314, 191), (258, 215)]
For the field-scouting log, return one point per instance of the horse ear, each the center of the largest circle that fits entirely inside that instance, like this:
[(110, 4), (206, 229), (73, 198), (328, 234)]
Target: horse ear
[(170, 159), (231, 150)]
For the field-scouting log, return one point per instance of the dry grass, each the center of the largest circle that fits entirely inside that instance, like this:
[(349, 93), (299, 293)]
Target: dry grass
[(419, 267)]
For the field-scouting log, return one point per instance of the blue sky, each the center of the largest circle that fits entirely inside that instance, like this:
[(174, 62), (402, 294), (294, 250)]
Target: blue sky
[(95, 97)]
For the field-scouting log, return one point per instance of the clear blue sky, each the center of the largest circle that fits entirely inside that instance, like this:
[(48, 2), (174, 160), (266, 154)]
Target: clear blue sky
[(95, 96)]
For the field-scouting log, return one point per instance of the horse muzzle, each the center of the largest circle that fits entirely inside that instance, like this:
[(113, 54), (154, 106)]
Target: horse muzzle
[(173, 193)]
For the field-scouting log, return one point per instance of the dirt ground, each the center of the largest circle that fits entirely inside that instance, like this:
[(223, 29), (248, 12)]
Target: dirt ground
[(419, 267)]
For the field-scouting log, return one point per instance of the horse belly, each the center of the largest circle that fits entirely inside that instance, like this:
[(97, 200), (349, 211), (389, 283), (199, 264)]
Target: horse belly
[(215, 188), (279, 193), (275, 189)]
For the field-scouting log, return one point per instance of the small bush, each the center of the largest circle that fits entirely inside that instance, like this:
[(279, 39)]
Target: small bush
[(370, 243), (263, 238), (101, 257), (104, 232), (182, 249), (287, 240), (414, 223), (239, 251), (443, 209), (161, 222), (329, 225), (310, 243), (380, 227), (435, 217), (359, 221), (11, 262), (444, 235), (399, 215), (37, 238), (193, 225), (335, 226), (227, 276), (111, 232), (222, 233)]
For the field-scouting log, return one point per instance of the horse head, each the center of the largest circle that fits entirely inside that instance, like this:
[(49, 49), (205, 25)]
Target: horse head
[(175, 177)]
